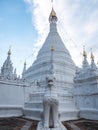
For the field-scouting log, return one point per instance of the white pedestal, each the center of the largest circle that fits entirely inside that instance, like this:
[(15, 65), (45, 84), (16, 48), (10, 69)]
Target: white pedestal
[(61, 127)]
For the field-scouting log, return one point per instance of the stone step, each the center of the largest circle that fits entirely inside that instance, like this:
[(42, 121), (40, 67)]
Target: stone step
[(33, 109), (67, 105), (35, 114), (40, 105), (34, 105), (69, 114), (63, 115)]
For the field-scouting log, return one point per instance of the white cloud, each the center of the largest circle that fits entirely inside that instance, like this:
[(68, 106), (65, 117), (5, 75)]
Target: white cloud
[(91, 28), (77, 23)]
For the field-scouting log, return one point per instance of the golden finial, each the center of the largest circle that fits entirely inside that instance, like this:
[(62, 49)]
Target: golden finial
[(92, 56), (84, 52), (53, 17), (52, 48), (53, 13)]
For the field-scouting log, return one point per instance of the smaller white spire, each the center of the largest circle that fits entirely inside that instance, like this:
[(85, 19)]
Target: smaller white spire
[(24, 69), (85, 62), (15, 75), (93, 65), (15, 71), (9, 52), (7, 68)]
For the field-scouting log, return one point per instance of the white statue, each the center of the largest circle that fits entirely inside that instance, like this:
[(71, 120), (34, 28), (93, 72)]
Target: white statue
[(50, 104)]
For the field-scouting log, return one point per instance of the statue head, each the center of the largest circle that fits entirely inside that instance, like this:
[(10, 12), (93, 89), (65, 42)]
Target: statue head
[(50, 80)]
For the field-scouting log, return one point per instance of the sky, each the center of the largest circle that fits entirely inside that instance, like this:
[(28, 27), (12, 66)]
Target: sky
[(24, 27)]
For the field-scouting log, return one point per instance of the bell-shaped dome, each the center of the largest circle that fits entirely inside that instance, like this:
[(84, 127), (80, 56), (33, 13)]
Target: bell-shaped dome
[(64, 68)]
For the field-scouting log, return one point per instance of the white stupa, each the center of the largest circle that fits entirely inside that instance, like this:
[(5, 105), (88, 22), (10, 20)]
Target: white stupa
[(63, 64), (53, 53)]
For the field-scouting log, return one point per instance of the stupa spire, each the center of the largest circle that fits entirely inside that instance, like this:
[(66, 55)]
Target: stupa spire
[(85, 62), (52, 17), (92, 56), (24, 69), (52, 2), (24, 66), (7, 68), (84, 52), (93, 65), (9, 51)]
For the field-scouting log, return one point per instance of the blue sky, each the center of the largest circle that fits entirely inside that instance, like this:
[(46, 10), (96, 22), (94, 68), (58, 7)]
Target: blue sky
[(24, 25), (16, 30)]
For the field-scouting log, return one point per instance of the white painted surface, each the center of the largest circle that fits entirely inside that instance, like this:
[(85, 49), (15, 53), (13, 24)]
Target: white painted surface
[(86, 90), (77, 97), (58, 62), (11, 99)]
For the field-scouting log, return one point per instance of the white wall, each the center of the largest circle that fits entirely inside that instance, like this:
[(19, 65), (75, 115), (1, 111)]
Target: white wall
[(86, 95), (11, 99)]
